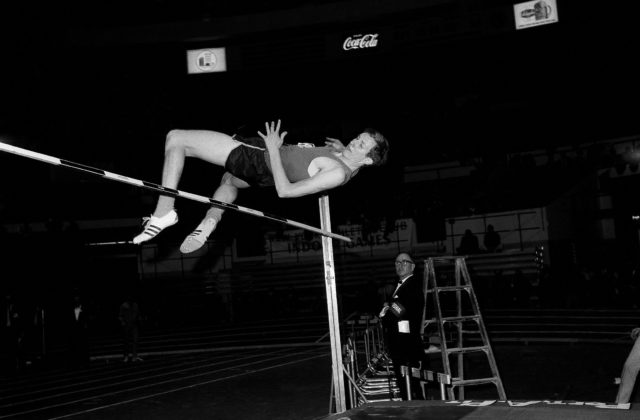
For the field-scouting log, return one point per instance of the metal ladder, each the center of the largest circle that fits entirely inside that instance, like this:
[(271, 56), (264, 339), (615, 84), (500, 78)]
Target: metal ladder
[(465, 321)]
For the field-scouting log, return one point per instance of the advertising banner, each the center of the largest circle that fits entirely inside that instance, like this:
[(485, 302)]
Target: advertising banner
[(296, 244), (209, 60), (535, 13)]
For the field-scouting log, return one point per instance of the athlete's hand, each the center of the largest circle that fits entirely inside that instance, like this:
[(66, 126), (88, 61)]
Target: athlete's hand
[(335, 143), (635, 333), (273, 138)]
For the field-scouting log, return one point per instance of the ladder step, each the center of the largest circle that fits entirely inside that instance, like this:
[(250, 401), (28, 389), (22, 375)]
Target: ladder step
[(372, 381), (461, 318), (449, 288), (467, 349), (478, 381)]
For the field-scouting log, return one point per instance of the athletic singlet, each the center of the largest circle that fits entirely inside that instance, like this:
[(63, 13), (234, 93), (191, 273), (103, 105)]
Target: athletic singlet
[(296, 161)]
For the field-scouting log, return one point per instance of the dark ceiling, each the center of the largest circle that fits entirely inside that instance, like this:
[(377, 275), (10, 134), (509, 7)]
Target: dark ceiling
[(457, 75), (101, 82)]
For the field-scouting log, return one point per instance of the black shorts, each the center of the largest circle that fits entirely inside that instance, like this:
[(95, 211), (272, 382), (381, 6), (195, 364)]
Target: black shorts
[(249, 163)]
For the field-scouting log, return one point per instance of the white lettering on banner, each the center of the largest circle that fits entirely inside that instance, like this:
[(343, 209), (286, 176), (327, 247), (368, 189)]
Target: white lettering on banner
[(295, 243), (360, 41), (371, 240)]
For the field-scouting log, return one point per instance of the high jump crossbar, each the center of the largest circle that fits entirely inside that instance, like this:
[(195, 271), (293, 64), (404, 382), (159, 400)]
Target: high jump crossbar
[(164, 190)]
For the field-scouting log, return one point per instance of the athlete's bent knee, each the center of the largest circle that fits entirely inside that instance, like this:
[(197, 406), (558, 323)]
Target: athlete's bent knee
[(227, 179), (233, 181), (173, 139)]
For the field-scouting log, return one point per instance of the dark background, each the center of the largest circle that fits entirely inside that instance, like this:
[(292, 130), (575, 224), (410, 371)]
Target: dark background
[(101, 84)]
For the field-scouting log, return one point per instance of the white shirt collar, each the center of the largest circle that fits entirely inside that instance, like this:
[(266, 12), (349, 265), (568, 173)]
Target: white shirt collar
[(402, 280)]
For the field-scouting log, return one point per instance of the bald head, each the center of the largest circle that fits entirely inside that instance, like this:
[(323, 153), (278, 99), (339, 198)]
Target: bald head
[(403, 256), (404, 264)]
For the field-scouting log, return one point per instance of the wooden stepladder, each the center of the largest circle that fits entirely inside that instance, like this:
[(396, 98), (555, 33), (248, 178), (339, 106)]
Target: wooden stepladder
[(459, 323)]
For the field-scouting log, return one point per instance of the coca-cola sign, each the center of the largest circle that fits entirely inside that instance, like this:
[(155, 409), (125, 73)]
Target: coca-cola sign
[(360, 41)]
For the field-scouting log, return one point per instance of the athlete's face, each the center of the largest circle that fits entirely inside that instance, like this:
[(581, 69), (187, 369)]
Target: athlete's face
[(359, 148)]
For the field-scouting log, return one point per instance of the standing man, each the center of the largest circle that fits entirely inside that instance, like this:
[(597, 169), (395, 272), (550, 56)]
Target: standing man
[(79, 333), (129, 316), (12, 333), (401, 317)]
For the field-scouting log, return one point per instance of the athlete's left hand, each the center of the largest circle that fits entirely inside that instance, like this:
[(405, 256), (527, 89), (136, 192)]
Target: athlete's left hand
[(335, 143), (273, 138)]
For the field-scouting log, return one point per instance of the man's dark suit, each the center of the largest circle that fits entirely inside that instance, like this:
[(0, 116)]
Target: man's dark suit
[(402, 324)]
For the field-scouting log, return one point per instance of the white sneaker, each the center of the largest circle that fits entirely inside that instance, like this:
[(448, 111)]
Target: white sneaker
[(154, 225), (199, 236)]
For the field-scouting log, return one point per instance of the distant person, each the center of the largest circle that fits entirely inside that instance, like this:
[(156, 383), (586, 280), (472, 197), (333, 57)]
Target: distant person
[(630, 370), (12, 333), (78, 333), (129, 316), (491, 239), (468, 243), (401, 318)]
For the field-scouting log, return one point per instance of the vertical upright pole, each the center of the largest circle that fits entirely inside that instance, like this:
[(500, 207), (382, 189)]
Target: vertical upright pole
[(458, 275), (332, 306), (44, 342)]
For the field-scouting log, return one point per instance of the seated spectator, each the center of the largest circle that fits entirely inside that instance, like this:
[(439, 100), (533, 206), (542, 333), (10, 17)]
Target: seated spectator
[(492, 240), (469, 243)]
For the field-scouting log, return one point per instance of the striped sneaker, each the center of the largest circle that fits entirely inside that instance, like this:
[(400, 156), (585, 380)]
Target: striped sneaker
[(154, 225), (199, 236)]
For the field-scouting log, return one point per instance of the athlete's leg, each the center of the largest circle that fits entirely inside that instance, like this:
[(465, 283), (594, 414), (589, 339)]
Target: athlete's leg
[(227, 192), (211, 146)]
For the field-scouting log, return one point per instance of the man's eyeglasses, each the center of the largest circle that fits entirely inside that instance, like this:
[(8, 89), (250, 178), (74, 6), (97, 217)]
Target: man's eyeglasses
[(404, 262)]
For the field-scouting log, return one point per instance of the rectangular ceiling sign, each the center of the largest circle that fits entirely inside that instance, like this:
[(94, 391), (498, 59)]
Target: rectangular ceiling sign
[(208, 60), (535, 13)]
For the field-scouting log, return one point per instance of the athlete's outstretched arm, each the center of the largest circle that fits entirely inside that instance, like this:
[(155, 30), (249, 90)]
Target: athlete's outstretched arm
[(323, 180)]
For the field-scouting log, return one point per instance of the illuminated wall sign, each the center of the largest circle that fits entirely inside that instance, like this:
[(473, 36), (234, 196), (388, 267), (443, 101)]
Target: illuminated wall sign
[(360, 42), (209, 60), (535, 13)]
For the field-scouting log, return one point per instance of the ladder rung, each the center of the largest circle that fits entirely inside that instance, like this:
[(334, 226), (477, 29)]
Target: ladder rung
[(479, 381), (449, 288), (369, 389), (461, 318), (381, 391), (371, 381), (467, 349)]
